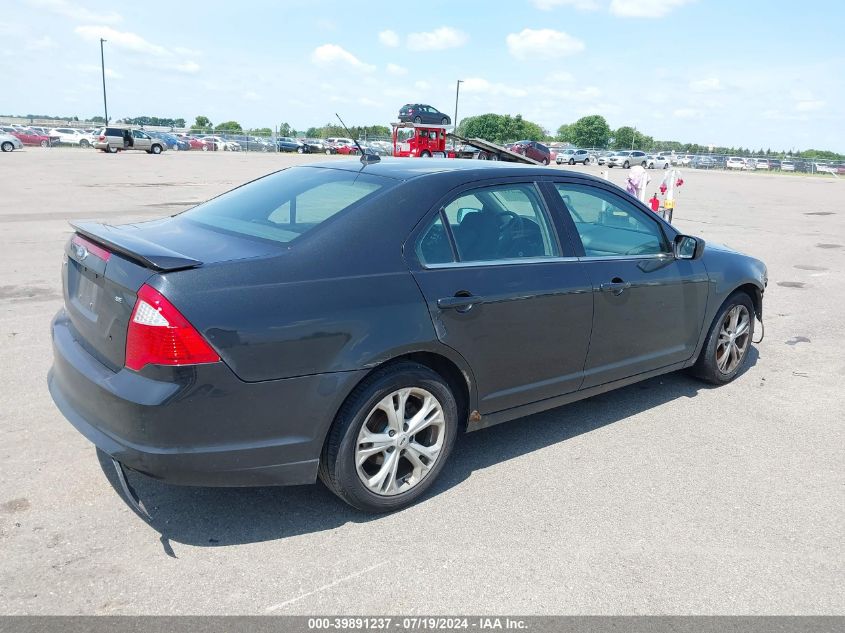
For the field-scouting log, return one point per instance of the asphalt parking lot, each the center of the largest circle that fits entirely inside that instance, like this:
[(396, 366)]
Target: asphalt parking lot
[(666, 497)]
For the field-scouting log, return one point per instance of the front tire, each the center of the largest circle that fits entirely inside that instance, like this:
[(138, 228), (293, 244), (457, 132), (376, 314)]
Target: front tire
[(586, 162), (299, 150), (156, 149), (726, 347), (112, 150), (45, 143), (7, 146), (417, 119), (84, 144), (571, 161), (626, 165), (425, 154), (444, 121), (328, 152), (390, 438)]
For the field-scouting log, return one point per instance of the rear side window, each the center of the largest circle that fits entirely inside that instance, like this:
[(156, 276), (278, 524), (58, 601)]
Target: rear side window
[(504, 222), (289, 203)]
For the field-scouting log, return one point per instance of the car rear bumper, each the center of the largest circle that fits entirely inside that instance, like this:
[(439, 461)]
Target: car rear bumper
[(197, 425)]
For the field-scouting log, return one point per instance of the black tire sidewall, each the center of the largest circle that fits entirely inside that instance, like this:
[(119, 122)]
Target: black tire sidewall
[(7, 146), (705, 367), (338, 460)]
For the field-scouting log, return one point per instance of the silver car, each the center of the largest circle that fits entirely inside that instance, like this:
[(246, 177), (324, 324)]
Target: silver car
[(117, 139), (658, 161), (572, 156), (626, 159), (9, 142)]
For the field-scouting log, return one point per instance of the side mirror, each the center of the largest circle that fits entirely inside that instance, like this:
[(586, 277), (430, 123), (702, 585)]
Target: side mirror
[(688, 247)]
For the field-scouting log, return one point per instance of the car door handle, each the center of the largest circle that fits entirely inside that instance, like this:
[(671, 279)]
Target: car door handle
[(616, 287), (460, 303)]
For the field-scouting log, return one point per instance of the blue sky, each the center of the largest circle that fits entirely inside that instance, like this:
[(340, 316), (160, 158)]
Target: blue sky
[(749, 73)]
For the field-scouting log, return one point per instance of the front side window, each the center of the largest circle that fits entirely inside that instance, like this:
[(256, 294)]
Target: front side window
[(284, 205), (503, 222), (609, 225)]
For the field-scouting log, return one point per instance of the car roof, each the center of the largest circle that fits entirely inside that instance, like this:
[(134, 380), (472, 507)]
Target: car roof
[(408, 168)]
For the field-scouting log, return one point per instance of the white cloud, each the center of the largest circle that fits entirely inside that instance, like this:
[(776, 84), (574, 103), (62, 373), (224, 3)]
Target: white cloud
[(581, 5), (542, 44), (482, 86), (122, 39), (332, 55), (687, 113), (810, 105), (396, 69), (645, 8), (94, 68), (251, 96), (437, 40), (422, 85), (41, 44), (709, 84), (149, 53), (560, 77), (75, 12), (389, 38)]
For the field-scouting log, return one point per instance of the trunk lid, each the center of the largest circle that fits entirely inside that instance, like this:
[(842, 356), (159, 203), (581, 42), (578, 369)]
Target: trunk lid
[(107, 265)]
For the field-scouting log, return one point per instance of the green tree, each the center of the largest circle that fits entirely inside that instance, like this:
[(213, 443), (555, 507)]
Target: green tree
[(228, 126), (564, 133), (286, 130), (590, 131), (500, 128), (97, 119), (261, 131), (202, 123)]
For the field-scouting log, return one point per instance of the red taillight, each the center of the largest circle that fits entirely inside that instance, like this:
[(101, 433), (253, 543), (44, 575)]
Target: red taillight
[(91, 247), (158, 334), (102, 137)]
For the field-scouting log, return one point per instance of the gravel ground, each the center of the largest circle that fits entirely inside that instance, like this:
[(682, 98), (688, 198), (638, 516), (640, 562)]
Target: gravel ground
[(666, 497)]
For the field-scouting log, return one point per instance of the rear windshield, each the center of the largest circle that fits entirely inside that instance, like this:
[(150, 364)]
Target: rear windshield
[(284, 205)]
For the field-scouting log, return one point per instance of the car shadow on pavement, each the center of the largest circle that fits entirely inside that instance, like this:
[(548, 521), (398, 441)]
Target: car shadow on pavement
[(215, 517)]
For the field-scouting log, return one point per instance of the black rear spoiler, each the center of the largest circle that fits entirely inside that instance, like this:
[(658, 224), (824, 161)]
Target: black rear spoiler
[(122, 241)]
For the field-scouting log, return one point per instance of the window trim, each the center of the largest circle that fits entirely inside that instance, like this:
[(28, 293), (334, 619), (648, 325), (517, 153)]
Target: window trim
[(461, 190)]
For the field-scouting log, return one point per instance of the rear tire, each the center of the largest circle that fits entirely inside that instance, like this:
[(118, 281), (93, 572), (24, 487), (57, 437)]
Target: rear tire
[(586, 162), (386, 402), (112, 150), (45, 143), (571, 161), (425, 154), (328, 152), (84, 144), (300, 150), (715, 363), (545, 161), (444, 121)]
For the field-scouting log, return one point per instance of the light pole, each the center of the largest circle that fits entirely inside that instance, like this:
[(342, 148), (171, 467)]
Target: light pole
[(103, 67), (457, 94)]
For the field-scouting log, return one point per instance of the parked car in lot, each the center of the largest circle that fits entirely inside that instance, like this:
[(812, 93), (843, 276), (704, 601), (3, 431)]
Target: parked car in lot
[(170, 140), (27, 136), (605, 157), (735, 162), (750, 164), (761, 163), (787, 165), (423, 113), (533, 150), (360, 365), (117, 139), (346, 147), (315, 145), (657, 162), (218, 143), (703, 162), (572, 156), (287, 144), (72, 136), (626, 159), (9, 142)]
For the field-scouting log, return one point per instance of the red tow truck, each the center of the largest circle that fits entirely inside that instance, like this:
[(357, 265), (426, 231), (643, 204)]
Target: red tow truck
[(421, 140)]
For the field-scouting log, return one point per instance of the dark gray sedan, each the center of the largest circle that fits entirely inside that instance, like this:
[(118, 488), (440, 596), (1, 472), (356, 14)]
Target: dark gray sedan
[(347, 321)]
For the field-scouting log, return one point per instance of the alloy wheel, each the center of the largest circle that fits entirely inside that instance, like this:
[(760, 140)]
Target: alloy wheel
[(734, 337), (400, 441)]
